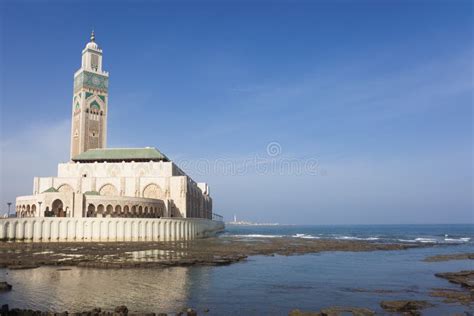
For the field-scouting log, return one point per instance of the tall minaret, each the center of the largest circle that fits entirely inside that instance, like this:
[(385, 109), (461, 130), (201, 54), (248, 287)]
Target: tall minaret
[(89, 104)]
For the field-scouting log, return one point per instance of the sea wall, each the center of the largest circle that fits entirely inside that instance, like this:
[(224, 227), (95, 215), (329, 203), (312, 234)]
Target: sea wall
[(69, 229)]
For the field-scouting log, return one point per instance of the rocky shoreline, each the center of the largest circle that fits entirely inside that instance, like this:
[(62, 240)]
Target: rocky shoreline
[(211, 251), (219, 251), (456, 256), (118, 311)]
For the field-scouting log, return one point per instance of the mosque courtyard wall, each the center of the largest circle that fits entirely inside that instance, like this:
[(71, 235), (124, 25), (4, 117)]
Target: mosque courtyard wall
[(53, 229)]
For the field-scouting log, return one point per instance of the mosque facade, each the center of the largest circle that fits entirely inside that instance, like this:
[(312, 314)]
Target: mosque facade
[(128, 193)]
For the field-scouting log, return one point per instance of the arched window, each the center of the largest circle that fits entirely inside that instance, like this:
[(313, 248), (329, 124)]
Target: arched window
[(108, 190)]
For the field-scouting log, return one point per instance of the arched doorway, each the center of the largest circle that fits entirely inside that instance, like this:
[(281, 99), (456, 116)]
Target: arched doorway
[(91, 210), (100, 211), (118, 211), (58, 209), (109, 210)]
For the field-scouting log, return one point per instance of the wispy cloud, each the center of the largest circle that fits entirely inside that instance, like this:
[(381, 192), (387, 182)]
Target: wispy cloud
[(34, 151)]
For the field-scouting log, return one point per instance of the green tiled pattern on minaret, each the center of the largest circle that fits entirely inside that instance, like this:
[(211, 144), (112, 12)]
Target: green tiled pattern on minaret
[(91, 80), (95, 105)]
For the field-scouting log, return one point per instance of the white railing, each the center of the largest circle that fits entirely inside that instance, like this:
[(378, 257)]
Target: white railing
[(70, 229)]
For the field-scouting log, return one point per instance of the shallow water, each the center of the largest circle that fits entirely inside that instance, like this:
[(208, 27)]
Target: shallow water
[(260, 286)]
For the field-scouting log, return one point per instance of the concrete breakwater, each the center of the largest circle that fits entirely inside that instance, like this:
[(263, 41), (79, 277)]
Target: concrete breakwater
[(103, 229)]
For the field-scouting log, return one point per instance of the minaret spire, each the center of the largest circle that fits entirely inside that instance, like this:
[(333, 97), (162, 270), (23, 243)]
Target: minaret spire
[(92, 36)]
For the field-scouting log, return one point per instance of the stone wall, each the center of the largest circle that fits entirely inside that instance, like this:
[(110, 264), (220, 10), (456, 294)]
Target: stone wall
[(106, 229)]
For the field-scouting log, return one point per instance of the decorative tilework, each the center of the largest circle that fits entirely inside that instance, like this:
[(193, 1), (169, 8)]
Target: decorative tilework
[(88, 94), (102, 97), (91, 80), (95, 105)]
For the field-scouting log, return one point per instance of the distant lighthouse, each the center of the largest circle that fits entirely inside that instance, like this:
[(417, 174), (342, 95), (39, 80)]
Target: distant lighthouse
[(235, 218)]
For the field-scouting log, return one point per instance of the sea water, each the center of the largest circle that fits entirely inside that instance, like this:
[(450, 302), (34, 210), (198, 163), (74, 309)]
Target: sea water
[(263, 285)]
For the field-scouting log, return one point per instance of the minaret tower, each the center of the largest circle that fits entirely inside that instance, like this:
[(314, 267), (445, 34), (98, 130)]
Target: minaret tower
[(89, 104)]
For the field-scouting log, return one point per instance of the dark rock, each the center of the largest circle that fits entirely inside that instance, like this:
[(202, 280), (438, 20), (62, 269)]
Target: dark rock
[(4, 286), (95, 312), (454, 296), (297, 312), (463, 278), (335, 311), (206, 310), (456, 256), (23, 266), (356, 311), (191, 312), (4, 309), (121, 309), (405, 306)]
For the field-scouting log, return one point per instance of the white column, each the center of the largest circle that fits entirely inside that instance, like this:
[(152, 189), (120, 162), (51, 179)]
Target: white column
[(162, 230)]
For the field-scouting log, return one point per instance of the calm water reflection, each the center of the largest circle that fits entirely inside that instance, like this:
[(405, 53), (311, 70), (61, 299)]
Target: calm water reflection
[(49, 288)]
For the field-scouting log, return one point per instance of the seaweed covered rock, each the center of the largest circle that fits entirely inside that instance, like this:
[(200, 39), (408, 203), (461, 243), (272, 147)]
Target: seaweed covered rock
[(406, 307), (4, 286)]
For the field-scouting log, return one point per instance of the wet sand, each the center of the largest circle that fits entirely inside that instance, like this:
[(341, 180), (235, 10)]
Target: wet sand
[(211, 251)]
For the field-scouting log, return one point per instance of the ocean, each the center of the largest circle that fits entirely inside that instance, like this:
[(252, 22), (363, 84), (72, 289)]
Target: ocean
[(263, 285), (432, 234)]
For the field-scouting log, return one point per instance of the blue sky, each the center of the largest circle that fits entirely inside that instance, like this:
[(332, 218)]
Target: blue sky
[(379, 93)]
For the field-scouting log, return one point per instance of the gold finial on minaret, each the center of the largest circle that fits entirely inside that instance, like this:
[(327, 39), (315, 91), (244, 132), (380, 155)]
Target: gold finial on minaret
[(92, 36)]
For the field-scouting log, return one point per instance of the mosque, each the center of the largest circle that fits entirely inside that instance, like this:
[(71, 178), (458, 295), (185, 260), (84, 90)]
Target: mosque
[(110, 194)]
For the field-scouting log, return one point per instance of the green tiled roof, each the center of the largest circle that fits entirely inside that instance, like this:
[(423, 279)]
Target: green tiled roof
[(121, 154), (91, 193), (52, 189)]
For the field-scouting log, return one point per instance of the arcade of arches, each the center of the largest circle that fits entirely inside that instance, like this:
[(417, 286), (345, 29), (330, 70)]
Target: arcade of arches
[(27, 210), (31, 210), (95, 210), (125, 210)]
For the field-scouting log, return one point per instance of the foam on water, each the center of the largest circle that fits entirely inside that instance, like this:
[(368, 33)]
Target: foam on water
[(356, 238), (463, 239), (255, 236), (305, 236)]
